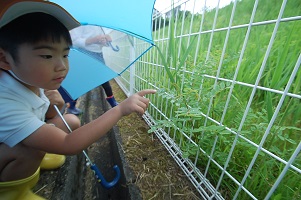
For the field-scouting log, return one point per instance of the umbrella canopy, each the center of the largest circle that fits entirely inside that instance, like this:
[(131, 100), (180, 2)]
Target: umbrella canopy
[(125, 22), (133, 17), (79, 80)]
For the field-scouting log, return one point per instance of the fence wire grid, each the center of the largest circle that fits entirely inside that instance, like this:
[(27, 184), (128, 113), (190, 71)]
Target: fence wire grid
[(229, 91)]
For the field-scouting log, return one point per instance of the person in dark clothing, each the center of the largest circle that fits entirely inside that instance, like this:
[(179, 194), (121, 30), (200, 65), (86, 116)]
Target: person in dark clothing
[(72, 109)]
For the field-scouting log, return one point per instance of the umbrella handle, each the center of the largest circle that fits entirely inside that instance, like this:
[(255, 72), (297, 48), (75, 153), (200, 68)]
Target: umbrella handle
[(113, 48), (102, 180)]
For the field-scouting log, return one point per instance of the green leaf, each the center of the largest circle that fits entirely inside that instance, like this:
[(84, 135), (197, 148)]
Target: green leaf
[(269, 104)]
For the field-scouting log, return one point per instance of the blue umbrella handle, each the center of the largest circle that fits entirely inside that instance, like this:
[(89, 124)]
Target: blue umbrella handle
[(102, 180), (114, 48)]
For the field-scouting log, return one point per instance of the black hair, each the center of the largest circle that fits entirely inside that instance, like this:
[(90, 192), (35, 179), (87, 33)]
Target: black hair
[(32, 28)]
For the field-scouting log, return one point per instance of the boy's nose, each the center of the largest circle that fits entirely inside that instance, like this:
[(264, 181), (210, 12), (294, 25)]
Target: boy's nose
[(61, 64)]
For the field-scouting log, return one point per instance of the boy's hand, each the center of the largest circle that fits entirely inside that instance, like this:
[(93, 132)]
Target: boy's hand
[(136, 103), (99, 39), (54, 97)]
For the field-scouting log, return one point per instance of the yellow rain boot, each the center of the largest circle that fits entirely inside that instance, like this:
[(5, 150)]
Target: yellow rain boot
[(52, 161), (20, 189)]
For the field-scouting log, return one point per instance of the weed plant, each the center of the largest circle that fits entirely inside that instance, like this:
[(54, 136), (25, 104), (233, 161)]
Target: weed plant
[(204, 115)]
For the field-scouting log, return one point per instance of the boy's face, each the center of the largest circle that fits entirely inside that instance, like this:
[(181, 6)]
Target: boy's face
[(42, 65)]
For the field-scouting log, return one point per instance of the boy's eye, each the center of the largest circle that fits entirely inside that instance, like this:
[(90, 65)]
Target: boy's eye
[(66, 56), (46, 56)]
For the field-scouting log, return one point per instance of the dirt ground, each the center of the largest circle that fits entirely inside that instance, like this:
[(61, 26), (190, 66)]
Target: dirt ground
[(157, 174)]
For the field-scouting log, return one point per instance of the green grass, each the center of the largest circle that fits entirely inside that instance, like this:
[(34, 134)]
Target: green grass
[(185, 97)]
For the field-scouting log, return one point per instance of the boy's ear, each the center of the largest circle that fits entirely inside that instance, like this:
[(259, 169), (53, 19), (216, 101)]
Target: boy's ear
[(3, 60)]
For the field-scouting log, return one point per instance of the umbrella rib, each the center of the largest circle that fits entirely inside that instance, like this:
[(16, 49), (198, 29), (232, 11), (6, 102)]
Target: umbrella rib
[(137, 58)]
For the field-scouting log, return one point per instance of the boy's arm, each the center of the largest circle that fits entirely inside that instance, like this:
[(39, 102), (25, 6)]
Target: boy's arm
[(53, 140), (55, 98)]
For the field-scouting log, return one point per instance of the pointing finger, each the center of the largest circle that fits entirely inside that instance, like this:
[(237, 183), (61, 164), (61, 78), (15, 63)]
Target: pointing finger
[(145, 92)]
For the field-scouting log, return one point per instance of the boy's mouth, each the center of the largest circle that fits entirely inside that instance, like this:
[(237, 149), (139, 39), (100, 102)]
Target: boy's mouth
[(59, 79)]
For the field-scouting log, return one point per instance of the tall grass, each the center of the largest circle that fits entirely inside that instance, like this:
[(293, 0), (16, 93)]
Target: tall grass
[(189, 98)]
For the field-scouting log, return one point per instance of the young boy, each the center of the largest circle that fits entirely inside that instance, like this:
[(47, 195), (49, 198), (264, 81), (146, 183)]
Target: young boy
[(34, 47)]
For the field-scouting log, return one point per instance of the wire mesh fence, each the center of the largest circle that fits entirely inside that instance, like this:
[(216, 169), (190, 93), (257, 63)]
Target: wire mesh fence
[(229, 91)]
